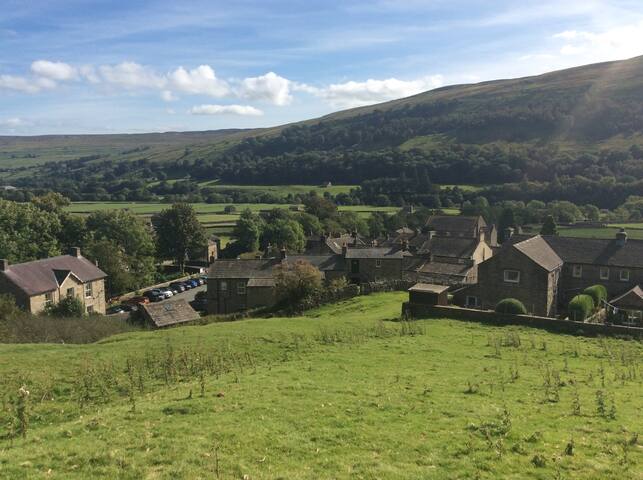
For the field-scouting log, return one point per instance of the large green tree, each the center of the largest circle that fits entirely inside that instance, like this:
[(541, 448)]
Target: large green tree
[(247, 232), (284, 233), (179, 233)]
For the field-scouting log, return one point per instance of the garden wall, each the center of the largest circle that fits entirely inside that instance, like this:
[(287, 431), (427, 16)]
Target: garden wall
[(493, 318)]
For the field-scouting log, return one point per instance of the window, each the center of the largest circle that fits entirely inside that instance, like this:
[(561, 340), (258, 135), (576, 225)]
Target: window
[(49, 298), (241, 288), (605, 273), (223, 286), (512, 276), (624, 275), (89, 291), (471, 301), (70, 292), (90, 309), (577, 271), (378, 262)]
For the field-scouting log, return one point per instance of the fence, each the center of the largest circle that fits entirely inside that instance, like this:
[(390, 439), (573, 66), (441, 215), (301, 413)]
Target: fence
[(493, 318)]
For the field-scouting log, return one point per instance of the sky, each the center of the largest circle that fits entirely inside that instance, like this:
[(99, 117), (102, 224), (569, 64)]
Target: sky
[(114, 66)]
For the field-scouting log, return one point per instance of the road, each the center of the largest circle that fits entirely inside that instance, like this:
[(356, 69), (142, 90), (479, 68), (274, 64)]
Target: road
[(188, 295)]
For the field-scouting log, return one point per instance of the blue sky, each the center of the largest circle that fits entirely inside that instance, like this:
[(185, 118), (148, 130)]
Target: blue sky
[(139, 66)]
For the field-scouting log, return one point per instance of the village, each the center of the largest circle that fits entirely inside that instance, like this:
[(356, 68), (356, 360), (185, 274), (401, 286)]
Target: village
[(452, 262)]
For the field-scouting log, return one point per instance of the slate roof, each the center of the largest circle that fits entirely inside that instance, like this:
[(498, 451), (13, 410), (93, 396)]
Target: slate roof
[(454, 223), (255, 268), (538, 250), (260, 282), (598, 251), (376, 252), (46, 275), (428, 287), (170, 312), (454, 247), (322, 262), (631, 299), (443, 268)]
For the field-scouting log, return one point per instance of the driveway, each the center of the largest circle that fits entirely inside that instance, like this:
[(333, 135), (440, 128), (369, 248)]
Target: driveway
[(188, 294)]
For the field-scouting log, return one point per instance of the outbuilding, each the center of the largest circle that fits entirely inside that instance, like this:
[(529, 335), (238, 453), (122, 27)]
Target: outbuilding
[(428, 294)]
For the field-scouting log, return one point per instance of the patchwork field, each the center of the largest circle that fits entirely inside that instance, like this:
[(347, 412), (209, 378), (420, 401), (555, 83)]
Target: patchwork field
[(344, 391)]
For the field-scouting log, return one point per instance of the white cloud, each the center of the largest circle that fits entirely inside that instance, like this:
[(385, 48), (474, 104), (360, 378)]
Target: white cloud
[(269, 87), (225, 110), (130, 75), (354, 94), (26, 85), (58, 71), (168, 96), (201, 80), (13, 122)]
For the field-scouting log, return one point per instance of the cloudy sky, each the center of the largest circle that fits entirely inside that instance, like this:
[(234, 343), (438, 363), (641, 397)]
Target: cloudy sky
[(80, 66)]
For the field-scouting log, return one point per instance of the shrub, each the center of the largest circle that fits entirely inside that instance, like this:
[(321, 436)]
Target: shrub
[(67, 307), (296, 280), (580, 307), (598, 294), (511, 305)]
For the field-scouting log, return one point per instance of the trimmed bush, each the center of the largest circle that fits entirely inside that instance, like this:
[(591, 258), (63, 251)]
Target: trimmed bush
[(511, 305), (598, 294), (580, 307)]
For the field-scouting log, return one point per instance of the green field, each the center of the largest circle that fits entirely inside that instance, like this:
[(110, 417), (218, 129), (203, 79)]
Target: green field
[(342, 392), (607, 232)]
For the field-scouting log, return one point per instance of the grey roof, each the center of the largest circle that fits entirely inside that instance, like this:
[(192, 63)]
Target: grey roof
[(597, 251), (168, 313), (322, 262), (453, 247), (454, 223), (631, 299), (428, 287), (538, 250), (375, 252), (255, 268), (46, 275), (444, 268)]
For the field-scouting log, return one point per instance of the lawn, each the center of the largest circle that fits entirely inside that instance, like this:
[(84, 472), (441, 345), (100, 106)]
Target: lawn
[(341, 392), (606, 232)]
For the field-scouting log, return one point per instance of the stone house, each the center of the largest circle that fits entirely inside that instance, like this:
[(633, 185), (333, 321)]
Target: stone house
[(579, 263), (628, 308), (329, 244), (374, 264), (528, 270), (40, 283)]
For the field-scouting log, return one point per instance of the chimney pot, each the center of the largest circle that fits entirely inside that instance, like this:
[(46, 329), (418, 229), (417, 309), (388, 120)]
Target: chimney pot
[(4, 265), (75, 252), (344, 249), (283, 254), (621, 237)]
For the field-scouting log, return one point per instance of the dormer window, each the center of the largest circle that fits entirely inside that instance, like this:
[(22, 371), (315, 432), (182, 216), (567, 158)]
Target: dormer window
[(577, 271), (512, 276)]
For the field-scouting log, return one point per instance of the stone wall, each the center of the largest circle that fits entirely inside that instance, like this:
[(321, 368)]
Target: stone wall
[(493, 318)]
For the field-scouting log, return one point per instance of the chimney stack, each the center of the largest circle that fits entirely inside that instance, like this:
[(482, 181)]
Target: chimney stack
[(4, 265), (75, 252), (621, 237), (344, 249), (283, 254), (509, 232)]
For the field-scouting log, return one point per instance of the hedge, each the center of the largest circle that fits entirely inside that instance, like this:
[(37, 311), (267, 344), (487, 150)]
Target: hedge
[(580, 307), (511, 305), (598, 294)]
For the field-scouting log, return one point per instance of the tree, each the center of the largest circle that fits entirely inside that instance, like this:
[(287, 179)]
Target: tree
[(321, 207), (179, 233), (51, 202), (284, 233), (248, 232), (124, 248), (27, 232), (310, 223), (352, 222), (376, 226), (296, 280), (549, 226)]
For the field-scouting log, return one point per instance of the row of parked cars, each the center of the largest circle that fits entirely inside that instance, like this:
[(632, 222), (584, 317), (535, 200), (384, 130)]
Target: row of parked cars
[(174, 288), (157, 295)]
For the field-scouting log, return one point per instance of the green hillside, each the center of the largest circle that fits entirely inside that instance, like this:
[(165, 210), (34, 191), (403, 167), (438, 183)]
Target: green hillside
[(342, 392)]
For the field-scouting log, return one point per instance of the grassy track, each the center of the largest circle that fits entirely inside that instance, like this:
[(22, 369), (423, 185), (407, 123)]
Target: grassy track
[(342, 392)]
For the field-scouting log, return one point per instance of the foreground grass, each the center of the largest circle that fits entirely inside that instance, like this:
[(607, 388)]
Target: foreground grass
[(342, 392)]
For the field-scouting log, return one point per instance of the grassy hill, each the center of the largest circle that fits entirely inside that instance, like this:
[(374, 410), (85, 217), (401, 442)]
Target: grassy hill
[(344, 391)]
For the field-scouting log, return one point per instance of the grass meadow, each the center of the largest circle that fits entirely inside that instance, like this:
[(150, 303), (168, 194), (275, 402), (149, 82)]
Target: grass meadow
[(345, 391)]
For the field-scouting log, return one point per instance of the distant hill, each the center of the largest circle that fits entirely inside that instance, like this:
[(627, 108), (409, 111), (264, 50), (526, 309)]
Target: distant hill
[(582, 125)]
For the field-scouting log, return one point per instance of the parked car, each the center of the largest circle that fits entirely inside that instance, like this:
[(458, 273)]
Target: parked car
[(194, 283), (200, 281), (115, 309), (167, 292), (187, 285), (178, 286), (154, 295)]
